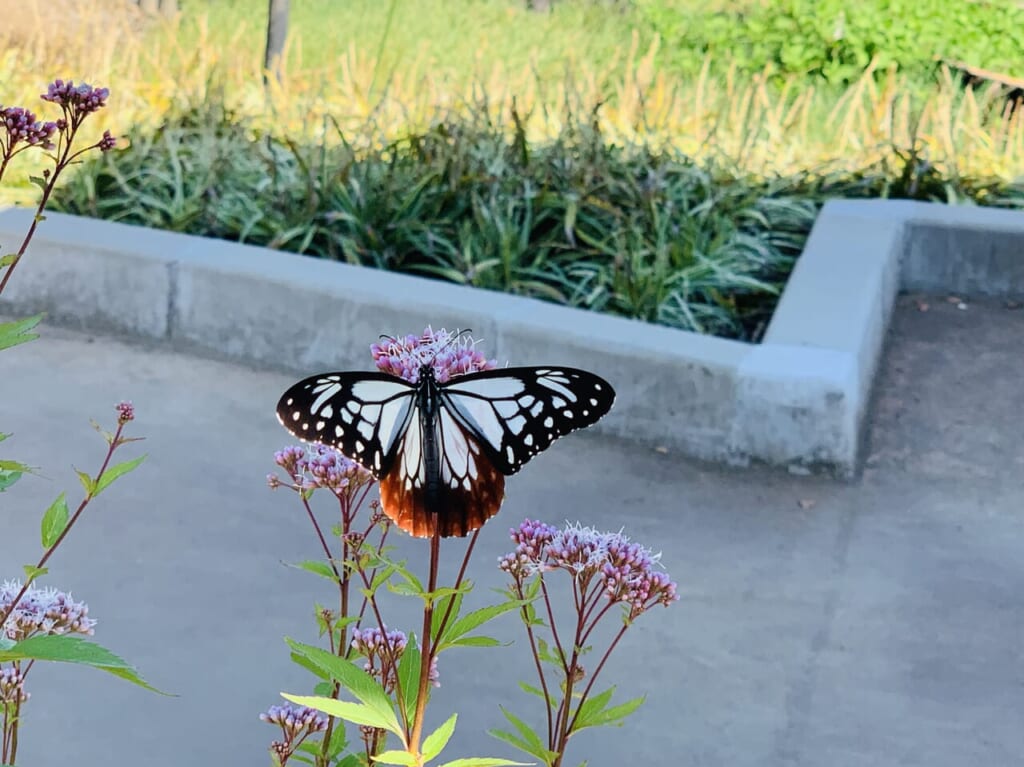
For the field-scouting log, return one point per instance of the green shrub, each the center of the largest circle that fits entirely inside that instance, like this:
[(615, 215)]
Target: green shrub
[(635, 231), (836, 40)]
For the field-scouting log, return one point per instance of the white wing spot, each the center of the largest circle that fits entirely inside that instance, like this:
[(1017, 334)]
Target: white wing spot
[(558, 402), (338, 431), (320, 425), (525, 401), (327, 412), (537, 409), (567, 413), (549, 422), (360, 446), (506, 408), (366, 429), (515, 425), (593, 401), (586, 413), (352, 405), (471, 467), (296, 415), (511, 454), (346, 416), (290, 401), (466, 483), (528, 440), (326, 394)]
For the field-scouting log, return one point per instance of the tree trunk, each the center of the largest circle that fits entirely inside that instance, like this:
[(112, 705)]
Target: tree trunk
[(277, 31)]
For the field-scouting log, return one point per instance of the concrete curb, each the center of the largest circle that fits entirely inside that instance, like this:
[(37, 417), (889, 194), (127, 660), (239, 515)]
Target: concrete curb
[(797, 399)]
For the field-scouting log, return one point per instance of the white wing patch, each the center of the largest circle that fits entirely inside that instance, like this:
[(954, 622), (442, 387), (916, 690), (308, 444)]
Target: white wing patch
[(516, 413)]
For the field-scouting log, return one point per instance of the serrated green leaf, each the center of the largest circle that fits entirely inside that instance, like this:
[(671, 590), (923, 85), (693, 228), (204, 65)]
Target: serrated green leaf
[(8, 478), (475, 641), (32, 572), (317, 567), (409, 677), (354, 679), (592, 707), (7, 260), (71, 649), (55, 519), (111, 474), (403, 589), (357, 713), (401, 758), (617, 713), (441, 608), (483, 761), (18, 331), (529, 688), (435, 742), (477, 618), (87, 482), (22, 468), (534, 745)]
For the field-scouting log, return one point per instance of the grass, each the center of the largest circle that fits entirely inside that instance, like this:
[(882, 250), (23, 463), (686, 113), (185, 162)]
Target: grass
[(549, 155)]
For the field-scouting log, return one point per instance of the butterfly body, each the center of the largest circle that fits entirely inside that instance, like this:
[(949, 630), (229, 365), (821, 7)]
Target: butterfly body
[(441, 450)]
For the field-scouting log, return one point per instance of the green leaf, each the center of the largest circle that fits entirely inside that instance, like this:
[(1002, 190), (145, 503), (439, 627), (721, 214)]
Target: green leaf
[(529, 688), (111, 474), (18, 331), (357, 713), (54, 521), (435, 742), (32, 572), (317, 567), (17, 466), (475, 641), (593, 712), (455, 600), (527, 740), (409, 677), (71, 649), (87, 482), (3, 436), (479, 617), (483, 761), (9, 259), (354, 679), (403, 758), (8, 478)]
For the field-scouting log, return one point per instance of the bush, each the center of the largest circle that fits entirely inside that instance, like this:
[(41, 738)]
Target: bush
[(837, 40)]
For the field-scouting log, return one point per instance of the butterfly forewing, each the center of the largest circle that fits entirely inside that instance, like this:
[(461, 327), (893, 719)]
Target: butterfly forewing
[(363, 415), (518, 412)]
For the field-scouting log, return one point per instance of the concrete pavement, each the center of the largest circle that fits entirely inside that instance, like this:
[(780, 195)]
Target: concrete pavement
[(822, 624)]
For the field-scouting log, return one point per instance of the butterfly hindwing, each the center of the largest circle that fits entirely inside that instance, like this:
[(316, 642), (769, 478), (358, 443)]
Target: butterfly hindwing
[(468, 491), (363, 415), (518, 412)]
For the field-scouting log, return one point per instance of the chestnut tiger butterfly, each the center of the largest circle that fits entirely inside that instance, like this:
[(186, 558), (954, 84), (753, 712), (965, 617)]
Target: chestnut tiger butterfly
[(442, 450)]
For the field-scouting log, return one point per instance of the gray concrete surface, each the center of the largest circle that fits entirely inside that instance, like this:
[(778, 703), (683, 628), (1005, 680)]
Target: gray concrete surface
[(821, 624), (800, 398)]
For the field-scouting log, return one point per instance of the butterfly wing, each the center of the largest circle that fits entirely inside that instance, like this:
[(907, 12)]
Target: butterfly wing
[(363, 415), (515, 413), (468, 491)]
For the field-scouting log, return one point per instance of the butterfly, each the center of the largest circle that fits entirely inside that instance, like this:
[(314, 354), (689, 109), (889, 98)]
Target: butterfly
[(441, 451)]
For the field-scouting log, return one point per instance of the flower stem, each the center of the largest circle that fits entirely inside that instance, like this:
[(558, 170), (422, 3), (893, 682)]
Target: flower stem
[(427, 653)]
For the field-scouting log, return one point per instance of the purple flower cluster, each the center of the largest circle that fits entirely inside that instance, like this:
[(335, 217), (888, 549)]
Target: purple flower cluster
[(12, 686), (22, 126), (79, 100), (320, 466), (386, 647), (295, 720), (450, 354), (42, 611), (626, 571)]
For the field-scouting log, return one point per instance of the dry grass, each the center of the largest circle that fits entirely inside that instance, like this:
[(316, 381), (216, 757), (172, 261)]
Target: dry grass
[(151, 64)]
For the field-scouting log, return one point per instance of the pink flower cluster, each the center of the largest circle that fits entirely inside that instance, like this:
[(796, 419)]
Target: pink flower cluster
[(81, 99), (42, 611), (450, 354), (320, 466), (12, 686), (626, 571)]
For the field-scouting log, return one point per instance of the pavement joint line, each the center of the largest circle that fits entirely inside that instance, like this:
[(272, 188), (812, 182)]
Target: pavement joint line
[(797, 400)]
